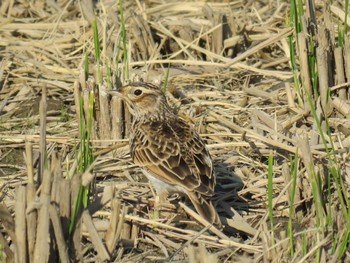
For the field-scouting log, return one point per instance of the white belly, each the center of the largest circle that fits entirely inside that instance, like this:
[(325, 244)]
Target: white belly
[(162, 187)]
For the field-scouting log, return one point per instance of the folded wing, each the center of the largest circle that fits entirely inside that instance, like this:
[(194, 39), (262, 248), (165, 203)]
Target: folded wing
[(173, 152)]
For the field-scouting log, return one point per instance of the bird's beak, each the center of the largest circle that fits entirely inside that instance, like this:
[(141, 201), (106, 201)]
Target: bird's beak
[(115, 92), (119, 93)]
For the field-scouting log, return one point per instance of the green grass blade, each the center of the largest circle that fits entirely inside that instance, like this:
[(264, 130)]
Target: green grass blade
[(165, 85), (96, 41), (1, 254), (86, 66), (294, 67), (313, 67), (109, 77), (117, 58), (97, 51), (85, 159), (332, 159), (344, 245), (294, 172), (77, 208)]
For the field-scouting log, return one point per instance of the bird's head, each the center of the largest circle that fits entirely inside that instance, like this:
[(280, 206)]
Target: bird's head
[(142, 98)]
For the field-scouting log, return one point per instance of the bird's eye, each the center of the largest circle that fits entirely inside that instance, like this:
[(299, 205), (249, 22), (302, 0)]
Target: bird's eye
[(137, 92)]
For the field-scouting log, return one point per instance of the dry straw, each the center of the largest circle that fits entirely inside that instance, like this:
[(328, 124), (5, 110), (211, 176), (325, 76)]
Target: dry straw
[(237, 70)]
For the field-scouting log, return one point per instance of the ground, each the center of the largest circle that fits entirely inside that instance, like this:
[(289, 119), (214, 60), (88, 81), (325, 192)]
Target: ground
[(268, 95)]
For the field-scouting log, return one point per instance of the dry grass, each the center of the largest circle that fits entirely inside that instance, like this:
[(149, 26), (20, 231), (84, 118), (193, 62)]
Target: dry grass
[(229, 71)]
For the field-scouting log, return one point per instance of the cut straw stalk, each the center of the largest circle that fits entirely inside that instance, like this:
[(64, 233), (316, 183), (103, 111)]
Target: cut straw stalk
[(104, 120), (42, 143), (342, 106), (305, 153), (95, 239), (76, 247), (237, 222), (9, 224), (339, 13), (59, 236), (282, 34), (31, 216), (116, 227), (111, 237), (254, 135), (172, 231), (322, 66), (117, 117), (347, 58), (304, 68), (42, 244), (44, 26), (21, 225), (272, 73), (339, 68)]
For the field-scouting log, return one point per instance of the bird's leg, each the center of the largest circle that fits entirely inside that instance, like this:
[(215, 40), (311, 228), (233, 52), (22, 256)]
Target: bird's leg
[(161, 201)]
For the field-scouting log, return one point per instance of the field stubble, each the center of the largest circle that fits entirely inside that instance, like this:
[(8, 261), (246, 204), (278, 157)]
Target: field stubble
[(229, 69)]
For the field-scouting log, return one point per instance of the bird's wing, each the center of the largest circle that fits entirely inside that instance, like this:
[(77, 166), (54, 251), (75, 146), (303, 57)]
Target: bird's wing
[(174, 153)]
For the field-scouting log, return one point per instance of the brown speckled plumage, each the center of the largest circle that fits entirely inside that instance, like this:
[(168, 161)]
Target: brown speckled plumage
[(171, 152)]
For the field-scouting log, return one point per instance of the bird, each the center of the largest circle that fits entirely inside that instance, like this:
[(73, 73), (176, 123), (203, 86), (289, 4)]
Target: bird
[(168, 149)]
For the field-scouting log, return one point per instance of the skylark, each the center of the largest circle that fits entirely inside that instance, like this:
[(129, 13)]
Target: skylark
[(169, 150)]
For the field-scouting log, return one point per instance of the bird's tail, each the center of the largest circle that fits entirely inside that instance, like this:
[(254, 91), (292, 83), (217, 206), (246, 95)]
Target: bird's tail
[(206, 209)]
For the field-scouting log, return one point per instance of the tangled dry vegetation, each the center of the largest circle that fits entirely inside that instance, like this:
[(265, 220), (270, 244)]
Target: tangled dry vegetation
[(230, 71)]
